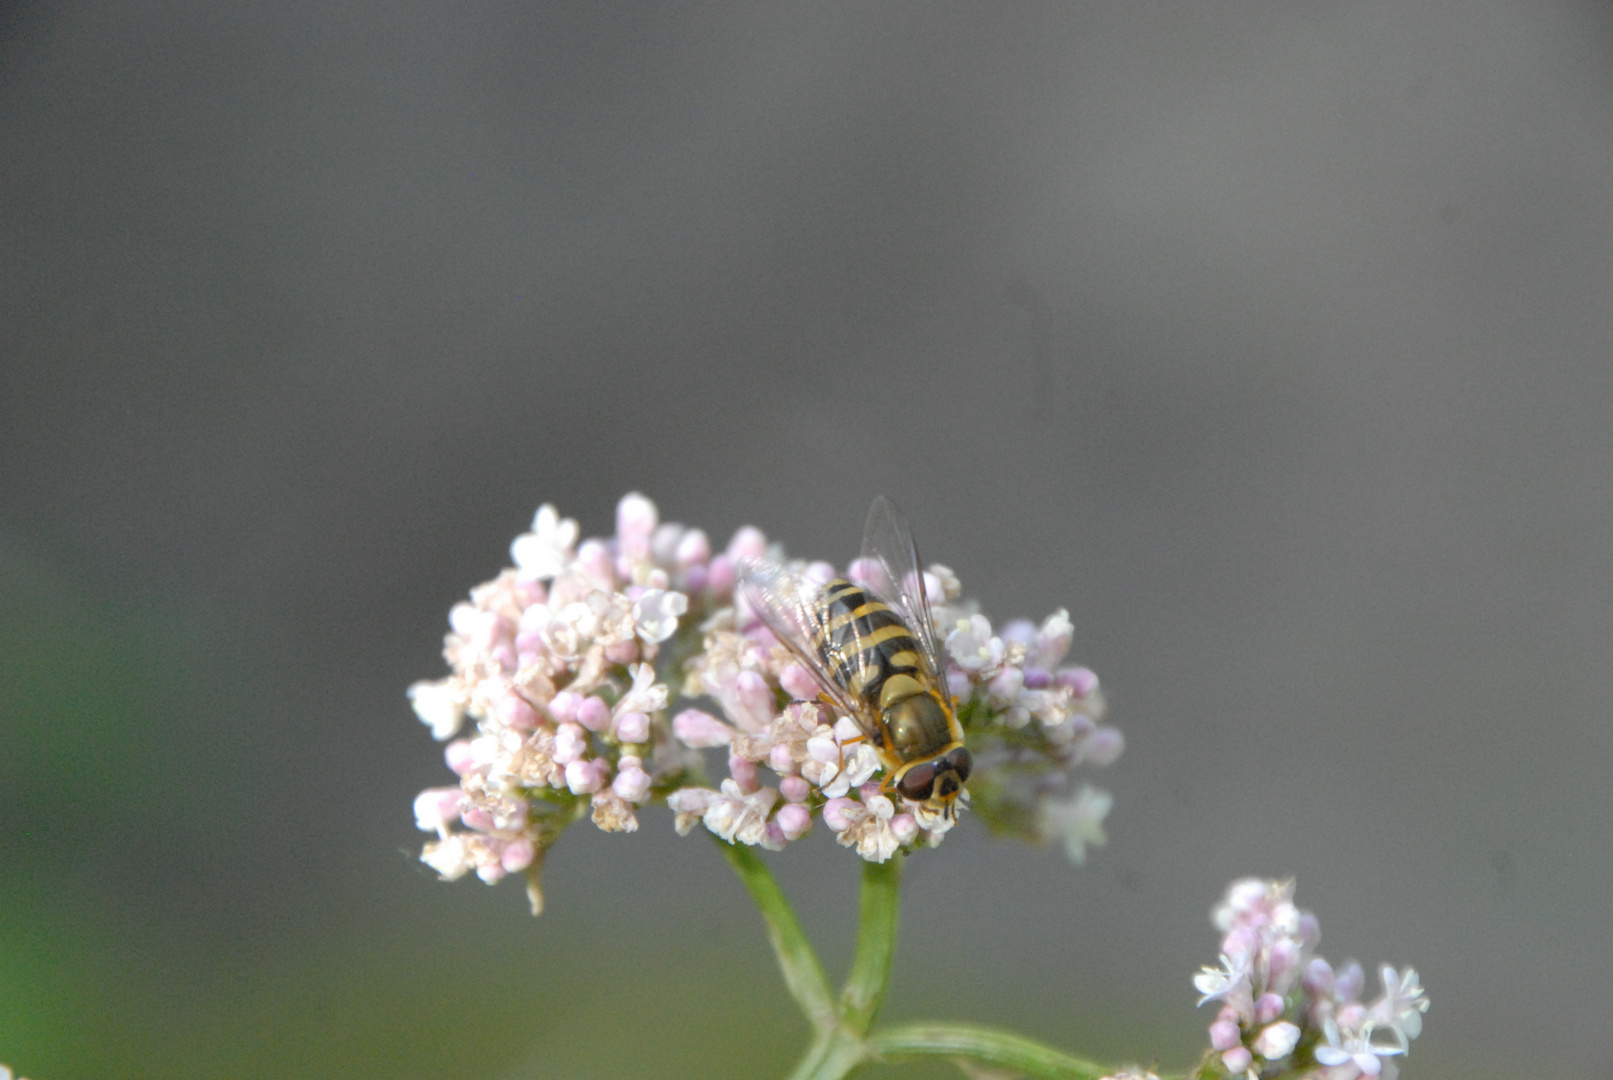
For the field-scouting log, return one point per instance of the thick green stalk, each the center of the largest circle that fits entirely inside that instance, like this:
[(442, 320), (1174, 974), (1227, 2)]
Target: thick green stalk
[(880, 904), (803, 974), (987, 1046)]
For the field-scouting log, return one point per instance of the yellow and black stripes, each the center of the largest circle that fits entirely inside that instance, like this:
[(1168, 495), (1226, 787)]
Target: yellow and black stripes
[(866, 646)]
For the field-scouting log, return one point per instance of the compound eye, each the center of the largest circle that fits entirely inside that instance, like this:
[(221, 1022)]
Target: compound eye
[(917, 782), (962, 763)]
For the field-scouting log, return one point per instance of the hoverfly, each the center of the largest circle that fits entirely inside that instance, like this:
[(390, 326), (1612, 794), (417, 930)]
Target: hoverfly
[(873, 651)]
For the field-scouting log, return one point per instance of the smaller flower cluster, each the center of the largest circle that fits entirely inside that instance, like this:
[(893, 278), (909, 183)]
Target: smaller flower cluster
[(1283, 1008), (554, 661)]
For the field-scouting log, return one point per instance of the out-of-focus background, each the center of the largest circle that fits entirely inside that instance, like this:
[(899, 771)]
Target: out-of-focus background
[(1274, 341)]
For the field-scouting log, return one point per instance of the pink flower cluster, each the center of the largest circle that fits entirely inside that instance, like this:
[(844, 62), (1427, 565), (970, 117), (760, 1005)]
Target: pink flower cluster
[(567, 661), (554, 660), (1017, 706), (1283, 1008)]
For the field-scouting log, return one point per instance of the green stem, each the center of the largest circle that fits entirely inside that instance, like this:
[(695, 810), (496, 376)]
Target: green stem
[(876, 945), (988, 1046), (803, 974), (832, 1056)]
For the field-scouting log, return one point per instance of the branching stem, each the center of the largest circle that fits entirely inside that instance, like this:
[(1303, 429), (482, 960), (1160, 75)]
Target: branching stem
[(843, 1037)]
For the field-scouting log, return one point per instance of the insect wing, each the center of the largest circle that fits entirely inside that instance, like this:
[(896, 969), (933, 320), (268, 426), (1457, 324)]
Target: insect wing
[(787, 602), (890, 560)]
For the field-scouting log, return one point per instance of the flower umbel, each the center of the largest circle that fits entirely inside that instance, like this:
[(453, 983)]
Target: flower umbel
[(566, 664), (1279, 1003)]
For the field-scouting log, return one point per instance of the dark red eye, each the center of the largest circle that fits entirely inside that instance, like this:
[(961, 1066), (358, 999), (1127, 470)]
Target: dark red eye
[(917, 782), (961, 762)]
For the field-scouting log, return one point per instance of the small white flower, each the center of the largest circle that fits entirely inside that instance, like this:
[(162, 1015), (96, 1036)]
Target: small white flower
[(1277, 1040), (449, 857), (949, 588), (1222, 984), (437, 808), (690, 805), (1078, 821), (1402, 1006), (972, 645), (740, 818), (545, 551), (1357, 1049), (1053, 640), (645, 695), (867, 827), (655, 614), (440, 706)]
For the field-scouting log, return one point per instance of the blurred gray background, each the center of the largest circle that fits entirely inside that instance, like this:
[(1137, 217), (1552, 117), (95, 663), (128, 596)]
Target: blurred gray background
[(1272, 340)]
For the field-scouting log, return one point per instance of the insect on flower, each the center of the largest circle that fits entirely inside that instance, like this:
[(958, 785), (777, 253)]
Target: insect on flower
[(873, 652)]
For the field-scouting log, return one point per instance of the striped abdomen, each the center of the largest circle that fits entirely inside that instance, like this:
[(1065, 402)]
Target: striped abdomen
[(871, 652)]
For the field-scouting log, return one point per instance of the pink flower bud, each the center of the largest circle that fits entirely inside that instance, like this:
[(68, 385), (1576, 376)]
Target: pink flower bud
[(904, 827), (780, 761), (743, 770), (693, 549), (563, 707), (594, 560), (622, 652), (1079, 679), (1269, 1007), (436, 808), (795, 789), (748, 543), (1283, 967), (592, 713), (1318, 978), (570, 744), (460, 756), (835, 813), (720, 576), (865, 573), (755, 695), (1022, 631), (794, 820), (1347, 986), (1224, 1035), (516, 711), (799, 683), (636, 518), (1237, 1059), (632, 783), (632, 727), (700, 730), (583, 777), (1103, 746), (517, 855)]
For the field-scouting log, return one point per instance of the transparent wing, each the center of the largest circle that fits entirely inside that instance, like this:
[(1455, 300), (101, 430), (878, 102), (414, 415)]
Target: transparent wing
[(891, 564), (787, 602)]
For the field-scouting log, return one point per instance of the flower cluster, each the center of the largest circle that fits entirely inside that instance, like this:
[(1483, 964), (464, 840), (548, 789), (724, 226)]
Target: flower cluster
[(566, 663), (1283, 1008), (555, 661)]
